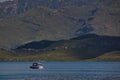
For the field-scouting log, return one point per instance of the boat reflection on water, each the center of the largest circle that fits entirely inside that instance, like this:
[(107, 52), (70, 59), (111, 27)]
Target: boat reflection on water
[(37, 66)]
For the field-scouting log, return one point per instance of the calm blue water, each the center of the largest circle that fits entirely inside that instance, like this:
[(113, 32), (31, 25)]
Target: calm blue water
[(61, 71)]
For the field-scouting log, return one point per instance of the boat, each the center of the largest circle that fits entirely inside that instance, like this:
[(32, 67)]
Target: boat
[(37, 66)]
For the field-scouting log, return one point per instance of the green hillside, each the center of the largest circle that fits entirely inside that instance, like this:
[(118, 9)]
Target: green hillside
[(110, 56), (46, 56), (5, 55), (56, 56), (89, 47)]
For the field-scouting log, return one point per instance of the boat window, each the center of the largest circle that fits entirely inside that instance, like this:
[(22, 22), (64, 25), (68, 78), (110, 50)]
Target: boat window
[(35, 64)]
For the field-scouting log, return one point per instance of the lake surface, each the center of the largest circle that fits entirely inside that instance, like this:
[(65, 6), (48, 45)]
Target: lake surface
[(61, 71)]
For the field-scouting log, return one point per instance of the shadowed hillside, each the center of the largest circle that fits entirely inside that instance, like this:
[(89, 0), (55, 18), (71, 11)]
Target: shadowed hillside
[(88, 47), (80, 48)]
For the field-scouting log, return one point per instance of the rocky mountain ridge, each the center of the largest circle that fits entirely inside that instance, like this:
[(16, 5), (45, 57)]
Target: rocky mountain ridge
[(11, 8)]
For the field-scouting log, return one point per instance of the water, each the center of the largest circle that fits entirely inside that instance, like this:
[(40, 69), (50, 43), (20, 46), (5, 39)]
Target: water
[(61, 71)]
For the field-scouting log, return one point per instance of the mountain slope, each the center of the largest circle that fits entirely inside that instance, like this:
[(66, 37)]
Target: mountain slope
[(36, 24), (101, 18), (83, 47), (15, 7), (110, 56), (37, 20), (89, 47)]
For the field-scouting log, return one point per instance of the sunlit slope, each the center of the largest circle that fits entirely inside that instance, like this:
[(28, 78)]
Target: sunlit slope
[(56, 56), (36, 24), (110, 56)]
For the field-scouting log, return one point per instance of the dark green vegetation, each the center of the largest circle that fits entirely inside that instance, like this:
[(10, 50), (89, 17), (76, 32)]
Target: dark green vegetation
[(59, 30), (84, 48)]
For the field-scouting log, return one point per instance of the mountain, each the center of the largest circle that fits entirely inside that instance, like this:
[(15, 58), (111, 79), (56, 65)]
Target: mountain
[(83, 47), (11, 8), (24, 21), (34, 25)]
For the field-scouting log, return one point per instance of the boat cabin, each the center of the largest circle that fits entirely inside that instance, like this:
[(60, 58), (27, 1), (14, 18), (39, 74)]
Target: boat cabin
[(37, 66)]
